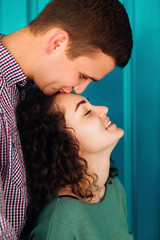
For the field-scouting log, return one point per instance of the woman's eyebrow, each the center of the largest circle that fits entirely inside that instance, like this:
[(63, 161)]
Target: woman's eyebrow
[(78, 104)]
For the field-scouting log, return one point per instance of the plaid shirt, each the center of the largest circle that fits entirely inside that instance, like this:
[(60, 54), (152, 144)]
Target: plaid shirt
[(13, 192)]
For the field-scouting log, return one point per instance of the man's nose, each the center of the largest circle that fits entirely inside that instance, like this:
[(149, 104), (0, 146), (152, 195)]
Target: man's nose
[(68, 89), (82, 86)]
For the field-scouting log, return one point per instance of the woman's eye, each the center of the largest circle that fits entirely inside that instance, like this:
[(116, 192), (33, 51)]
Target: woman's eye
[(87, 112)]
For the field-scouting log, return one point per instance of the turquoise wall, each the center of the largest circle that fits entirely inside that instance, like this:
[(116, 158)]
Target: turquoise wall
[(133, 98), (145, 78), (141, 119)]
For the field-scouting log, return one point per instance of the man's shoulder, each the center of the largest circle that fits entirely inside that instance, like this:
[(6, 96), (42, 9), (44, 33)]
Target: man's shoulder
[(3, 85)]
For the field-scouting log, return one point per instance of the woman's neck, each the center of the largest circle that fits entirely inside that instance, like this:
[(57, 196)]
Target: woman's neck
[(98, 196), (102, 172), (99, 164)]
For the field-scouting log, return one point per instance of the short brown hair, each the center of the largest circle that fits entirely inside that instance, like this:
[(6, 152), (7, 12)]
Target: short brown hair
[(92, 25)]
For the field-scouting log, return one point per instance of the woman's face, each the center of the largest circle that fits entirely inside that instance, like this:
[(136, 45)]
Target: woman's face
[(90, 123)]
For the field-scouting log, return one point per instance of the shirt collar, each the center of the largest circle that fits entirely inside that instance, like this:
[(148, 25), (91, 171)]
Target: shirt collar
[(10, 68)]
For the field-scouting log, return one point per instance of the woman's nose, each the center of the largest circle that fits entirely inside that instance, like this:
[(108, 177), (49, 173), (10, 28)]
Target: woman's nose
[(102, 111)]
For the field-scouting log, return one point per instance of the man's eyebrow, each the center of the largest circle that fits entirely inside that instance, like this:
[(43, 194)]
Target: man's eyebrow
[(78, 104), (93, 79)]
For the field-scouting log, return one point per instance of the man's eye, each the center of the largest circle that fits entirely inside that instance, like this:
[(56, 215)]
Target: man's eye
[(87, 112), (83, 76)]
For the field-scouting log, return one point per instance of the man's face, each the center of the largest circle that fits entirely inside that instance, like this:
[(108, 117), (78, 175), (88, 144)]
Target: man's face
[(59, 73)]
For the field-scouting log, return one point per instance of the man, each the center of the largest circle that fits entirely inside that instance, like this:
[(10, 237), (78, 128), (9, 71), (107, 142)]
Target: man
[(70, 44)]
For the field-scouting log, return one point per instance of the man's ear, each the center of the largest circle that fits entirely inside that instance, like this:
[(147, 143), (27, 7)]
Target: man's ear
[(57, 40)]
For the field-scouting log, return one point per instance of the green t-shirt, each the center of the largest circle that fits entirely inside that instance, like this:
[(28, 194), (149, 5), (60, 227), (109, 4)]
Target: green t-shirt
[(72, 219)]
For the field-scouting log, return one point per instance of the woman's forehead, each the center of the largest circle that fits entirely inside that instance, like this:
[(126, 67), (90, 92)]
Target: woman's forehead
[(67, 102), (69, 99)]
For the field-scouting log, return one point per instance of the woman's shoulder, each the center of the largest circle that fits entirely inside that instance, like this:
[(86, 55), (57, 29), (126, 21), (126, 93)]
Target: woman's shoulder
[(68, 213), (116, 184), (73, 209), (116, 190), (61, 207)]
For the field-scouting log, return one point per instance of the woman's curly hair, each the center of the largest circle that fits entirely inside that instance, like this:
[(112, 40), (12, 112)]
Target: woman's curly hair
[(51, 152)]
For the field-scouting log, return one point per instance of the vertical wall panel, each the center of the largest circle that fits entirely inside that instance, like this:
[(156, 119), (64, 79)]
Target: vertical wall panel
[(147, 79), (144, 116), (1, 18), (16, 14), (32, 9), (42, 4), (129, 117), (13, 15)]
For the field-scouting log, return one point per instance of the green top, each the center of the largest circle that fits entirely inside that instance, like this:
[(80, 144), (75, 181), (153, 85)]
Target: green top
[(72, 219)]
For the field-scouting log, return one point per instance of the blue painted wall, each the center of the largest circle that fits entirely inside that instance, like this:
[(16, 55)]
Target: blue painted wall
[(146, 80), (141, 119), (133, 98)]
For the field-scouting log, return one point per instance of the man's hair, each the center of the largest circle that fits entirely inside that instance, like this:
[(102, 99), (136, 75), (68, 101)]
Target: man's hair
[(91, 25)]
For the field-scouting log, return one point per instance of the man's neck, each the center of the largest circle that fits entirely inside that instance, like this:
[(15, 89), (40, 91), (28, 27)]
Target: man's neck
[(18, 45), (1, 36)]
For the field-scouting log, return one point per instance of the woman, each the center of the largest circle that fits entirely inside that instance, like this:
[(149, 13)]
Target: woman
[(67, 143)]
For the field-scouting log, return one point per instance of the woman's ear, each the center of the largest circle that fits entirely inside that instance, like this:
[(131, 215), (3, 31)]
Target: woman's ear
[(57, 41)]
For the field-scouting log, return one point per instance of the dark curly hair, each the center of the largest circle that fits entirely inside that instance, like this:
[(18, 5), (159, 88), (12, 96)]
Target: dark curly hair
[(51, 152)]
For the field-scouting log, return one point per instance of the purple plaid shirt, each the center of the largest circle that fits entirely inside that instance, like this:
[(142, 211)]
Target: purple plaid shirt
[(13, 192)]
